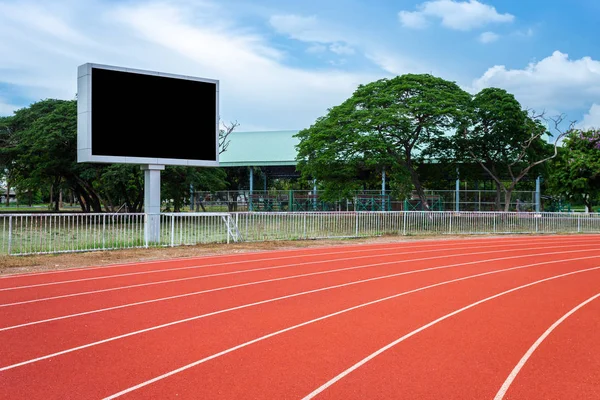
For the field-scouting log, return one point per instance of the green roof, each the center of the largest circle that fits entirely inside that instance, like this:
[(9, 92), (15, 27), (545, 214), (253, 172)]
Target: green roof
[(260, 148)]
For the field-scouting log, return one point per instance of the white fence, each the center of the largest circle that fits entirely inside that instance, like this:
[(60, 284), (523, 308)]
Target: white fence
[(22, 234), (285, 226)]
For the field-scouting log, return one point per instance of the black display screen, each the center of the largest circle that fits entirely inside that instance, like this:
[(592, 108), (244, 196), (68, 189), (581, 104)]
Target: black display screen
[(139, 115)]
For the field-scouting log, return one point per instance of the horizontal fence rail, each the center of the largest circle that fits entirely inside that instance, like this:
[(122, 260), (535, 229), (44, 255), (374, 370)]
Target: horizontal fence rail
[(23, 234), (364, 200), (196, 228)]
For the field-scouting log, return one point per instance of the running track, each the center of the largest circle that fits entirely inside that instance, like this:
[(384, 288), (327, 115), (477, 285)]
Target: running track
[(480, 318)]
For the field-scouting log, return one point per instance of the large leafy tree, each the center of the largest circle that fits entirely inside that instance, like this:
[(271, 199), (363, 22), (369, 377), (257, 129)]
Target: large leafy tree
[(43, 152), (387, 123), (505, 140), (575, 173), (177, 183), (7, 151), (38, 150)]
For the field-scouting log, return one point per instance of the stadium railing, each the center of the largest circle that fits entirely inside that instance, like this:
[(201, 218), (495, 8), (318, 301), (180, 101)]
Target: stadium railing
[(22, 234)]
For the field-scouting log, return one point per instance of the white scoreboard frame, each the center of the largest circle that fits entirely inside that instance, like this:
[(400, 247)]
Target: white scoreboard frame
[(84, 120)]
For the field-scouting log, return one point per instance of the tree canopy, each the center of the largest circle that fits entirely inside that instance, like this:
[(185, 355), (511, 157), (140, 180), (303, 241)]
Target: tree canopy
[(387, 123), (38, 152), (505, 140), (575, 173)]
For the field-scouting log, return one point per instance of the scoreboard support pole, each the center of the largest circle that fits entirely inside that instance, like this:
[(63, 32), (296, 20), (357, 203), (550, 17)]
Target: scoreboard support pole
[(152, 202)]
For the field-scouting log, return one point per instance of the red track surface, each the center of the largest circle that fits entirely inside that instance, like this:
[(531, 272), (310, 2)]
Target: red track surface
[(485, 318)]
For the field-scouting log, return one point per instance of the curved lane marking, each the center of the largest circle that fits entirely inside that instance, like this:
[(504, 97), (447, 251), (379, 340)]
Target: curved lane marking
[(513, 374)]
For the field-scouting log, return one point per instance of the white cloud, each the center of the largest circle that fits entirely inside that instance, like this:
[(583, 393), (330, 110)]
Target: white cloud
[(488, 37), (555, 83), (591, 120), (413, 19), (306, 29), (189, 38), (6, 108), (341, 49), (329, 37), (37, 18), (316, 48), (395, 64), (311, 30), (255, 86), (527, 33), (459, 15)]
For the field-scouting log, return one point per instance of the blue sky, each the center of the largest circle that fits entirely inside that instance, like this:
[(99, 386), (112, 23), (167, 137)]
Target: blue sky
[(281, 64)]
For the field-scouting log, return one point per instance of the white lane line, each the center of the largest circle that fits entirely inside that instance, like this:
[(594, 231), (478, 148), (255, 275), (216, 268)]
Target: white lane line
[(227, 263), (153, 328), (422, 328), (313, 252), (278, 266), (294, 265), (436, 247), (122, 306), (311, 395), (305, 252), (511, 377)]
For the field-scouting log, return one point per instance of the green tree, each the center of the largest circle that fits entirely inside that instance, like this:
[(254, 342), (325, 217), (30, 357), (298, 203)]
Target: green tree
[(575, 173), (505, 140), (7, 152), (177, 183), (387, 123), (38, 151), (44, 152), (121, 186)]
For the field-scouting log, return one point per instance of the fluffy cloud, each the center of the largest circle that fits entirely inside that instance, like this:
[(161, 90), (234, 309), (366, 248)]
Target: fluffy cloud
[(190, 38), (341, 49), (327, 37), (413, 19), (6, 108), (488, 37), (555, 83), (459, 15), (311, 30), (591, 119), (255, 85), (306, 29)]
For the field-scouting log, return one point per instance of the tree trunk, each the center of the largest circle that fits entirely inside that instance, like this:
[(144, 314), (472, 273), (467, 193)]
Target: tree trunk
[(508, 194), (7, 193), (498, 196), (414, 177), (587, 202), (82, 203), (507, 197)]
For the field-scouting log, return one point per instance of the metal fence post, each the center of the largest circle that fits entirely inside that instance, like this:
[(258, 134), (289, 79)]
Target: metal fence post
[(457, 196), (578, 223), (304, 225), (227, 221), (172, 230), (404, 224), (9, 235), (356, 224)]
